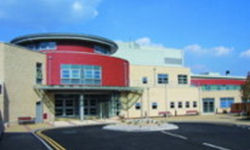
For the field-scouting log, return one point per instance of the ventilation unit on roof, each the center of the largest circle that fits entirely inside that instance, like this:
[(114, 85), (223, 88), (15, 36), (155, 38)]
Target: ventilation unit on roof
[(172, 61)]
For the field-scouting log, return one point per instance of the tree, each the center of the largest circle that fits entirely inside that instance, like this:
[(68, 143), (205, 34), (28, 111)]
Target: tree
[(245, 92)]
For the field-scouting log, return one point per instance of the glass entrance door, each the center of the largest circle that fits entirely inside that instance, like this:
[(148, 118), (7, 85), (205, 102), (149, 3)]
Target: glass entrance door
[(103, 109), (96, 105), (208, 105), (67, 105), (90, 106)]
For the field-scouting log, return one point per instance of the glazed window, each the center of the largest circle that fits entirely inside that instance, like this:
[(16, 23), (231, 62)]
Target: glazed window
[(46, 45), (172, 105), (144, 80), (179, 104), (81, 74), (182, 79), (101, 50), (75, 74), (42, 46), (187, 105), (226, 102), (162, 78), (65, 74), (154, 105), (194, 104), (137, 106), (39, 74)]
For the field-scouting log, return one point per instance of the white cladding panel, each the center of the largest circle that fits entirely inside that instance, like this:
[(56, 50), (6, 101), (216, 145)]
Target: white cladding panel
[(149, 55)]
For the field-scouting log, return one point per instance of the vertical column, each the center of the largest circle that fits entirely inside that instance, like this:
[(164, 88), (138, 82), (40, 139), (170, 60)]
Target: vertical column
[(112, 105), (82, 106)]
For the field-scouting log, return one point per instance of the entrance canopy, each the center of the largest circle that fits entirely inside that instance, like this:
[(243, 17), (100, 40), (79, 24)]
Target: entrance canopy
[(80, 101), (88, 88)]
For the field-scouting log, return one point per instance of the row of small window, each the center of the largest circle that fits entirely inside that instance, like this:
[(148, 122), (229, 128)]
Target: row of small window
[(42, 46), (80, 74), (163, 79), (154, 105), (220, 87), (180, 104), (138, 105)]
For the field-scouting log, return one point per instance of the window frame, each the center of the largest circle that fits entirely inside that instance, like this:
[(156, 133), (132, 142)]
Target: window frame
[(81, 74), (194, 104), (154, 105), (172, 105), (180, 105), (182, 79), (137, 106), (187, 104), (161, 79), (226, 102), (144, 80), (39, 73)]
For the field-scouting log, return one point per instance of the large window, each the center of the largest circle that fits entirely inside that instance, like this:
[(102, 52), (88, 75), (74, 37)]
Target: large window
[(226, 102), (220, 87), (182, 79), (81, 74), (162, 78), (39, 73)]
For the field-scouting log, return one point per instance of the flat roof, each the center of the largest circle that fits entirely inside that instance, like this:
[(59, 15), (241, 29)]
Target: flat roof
[(88, 88), (217, 77), (66, 36)]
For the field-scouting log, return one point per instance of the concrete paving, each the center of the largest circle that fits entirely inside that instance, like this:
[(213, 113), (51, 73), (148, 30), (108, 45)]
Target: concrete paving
[(217, 118)]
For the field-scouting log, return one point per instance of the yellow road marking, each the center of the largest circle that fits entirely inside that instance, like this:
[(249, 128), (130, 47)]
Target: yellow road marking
[(53, 143)]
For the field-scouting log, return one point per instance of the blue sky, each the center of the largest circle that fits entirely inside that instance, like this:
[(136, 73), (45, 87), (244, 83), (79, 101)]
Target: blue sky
[(214, 34)]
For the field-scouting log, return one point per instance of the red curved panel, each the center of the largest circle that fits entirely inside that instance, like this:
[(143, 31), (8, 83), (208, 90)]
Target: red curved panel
[(75, 46), (115, 71)]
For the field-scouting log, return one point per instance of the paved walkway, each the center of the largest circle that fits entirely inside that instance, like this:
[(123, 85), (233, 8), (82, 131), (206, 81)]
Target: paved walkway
[(218, 118), (62, 123), (80, 123), (221, 118)]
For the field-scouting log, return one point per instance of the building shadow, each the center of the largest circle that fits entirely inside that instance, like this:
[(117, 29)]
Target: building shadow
[(6, 106), (20, 140)]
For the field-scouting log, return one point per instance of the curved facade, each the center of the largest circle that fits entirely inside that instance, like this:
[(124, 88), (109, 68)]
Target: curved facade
[(74, 59)]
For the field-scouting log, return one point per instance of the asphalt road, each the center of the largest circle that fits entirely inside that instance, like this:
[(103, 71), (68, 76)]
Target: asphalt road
[(190, 136), (20, 141)]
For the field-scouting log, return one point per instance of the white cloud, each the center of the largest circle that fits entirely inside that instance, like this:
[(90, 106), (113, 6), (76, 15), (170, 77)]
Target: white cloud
[(215, 51), (77, 6), (143, 41), (48, 12), (195, 48), (146, 41), (245, 53), (221, 50)]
